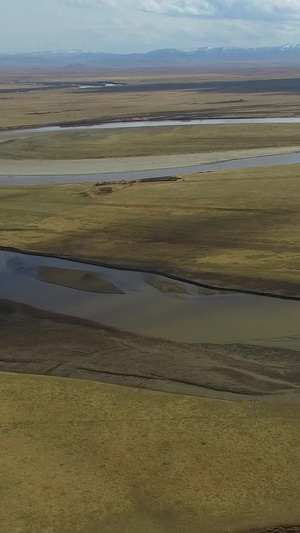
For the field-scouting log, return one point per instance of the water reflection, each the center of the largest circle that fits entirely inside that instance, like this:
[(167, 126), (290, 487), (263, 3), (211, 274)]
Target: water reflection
[(148, 304)]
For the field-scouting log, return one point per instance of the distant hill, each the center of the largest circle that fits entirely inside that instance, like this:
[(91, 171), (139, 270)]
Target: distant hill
[(165, 57)]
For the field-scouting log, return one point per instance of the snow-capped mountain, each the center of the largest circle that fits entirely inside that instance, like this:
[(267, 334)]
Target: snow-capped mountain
[(168, 56)]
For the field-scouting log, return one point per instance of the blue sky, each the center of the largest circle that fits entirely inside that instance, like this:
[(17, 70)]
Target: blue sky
[(143, 25)]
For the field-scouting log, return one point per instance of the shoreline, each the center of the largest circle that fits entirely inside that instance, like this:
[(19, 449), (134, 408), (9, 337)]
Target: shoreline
[(159, 117), (135, 374), (155, 272), (125, 165)]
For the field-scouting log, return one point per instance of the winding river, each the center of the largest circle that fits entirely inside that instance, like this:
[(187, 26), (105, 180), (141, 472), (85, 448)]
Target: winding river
[(148, 304), (155, 124), (250, 162), (25, 179)]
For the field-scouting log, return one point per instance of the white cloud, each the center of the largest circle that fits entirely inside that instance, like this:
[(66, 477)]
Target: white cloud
[(259, 10), (267, 10), (81, 3), (91, 3), (144, 25)]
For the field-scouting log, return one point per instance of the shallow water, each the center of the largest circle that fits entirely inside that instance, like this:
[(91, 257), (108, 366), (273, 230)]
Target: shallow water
[(181, 314), (249, 162), (158, 123)]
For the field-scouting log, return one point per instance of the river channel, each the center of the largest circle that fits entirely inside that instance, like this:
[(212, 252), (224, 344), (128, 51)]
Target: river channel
[(155, 171), (249, 162), (156, 124), (148, 304)]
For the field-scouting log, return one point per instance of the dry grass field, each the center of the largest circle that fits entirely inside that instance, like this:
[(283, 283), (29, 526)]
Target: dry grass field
[(25, 75), (56, 106), (147, 141), (234, 228), (88, 457)]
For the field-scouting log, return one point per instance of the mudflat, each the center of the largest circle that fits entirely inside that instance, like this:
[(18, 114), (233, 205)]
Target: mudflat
[(39, 342), (80, 280)]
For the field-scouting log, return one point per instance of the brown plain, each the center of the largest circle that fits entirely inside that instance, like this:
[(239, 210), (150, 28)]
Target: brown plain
[(38, 342), (152, 141), (90, 457), (232, 228), (57, 106), (87, 457)]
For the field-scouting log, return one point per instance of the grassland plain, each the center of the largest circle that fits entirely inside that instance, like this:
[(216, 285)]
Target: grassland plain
[(58, 105), (25, 76), (61, 106), (233, 228), (134, 142), (79, 456)]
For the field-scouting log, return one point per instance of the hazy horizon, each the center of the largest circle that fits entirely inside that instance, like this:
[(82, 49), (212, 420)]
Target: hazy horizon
[(79, 50), (145, 25)]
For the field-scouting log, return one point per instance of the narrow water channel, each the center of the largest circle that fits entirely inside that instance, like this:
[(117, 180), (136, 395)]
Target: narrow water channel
[(158, 123)]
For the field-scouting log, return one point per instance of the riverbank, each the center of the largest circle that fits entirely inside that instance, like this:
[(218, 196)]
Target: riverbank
[(196, 313), (260, 92), (235, 229), (130, 168), (34, 341), (142, 140)]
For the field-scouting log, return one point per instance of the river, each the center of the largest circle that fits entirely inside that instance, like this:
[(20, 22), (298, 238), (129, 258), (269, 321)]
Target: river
[(280, 159), (148, 304), (155, 124), (250, 162)]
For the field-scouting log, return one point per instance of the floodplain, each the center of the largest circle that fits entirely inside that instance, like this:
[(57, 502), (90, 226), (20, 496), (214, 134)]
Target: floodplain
[(213, 446)]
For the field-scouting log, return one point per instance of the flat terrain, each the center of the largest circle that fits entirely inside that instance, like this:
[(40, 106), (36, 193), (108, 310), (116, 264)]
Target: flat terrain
[(87, 457), (32, 98), (93, 169), (137, 142), (232, 228), (36, 342), (82, 456)]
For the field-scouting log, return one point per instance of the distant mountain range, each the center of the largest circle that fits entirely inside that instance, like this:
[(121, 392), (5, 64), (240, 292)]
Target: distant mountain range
[(165, 57)]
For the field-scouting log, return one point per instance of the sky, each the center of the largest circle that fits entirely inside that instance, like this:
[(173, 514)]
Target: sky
[(124, 26)]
